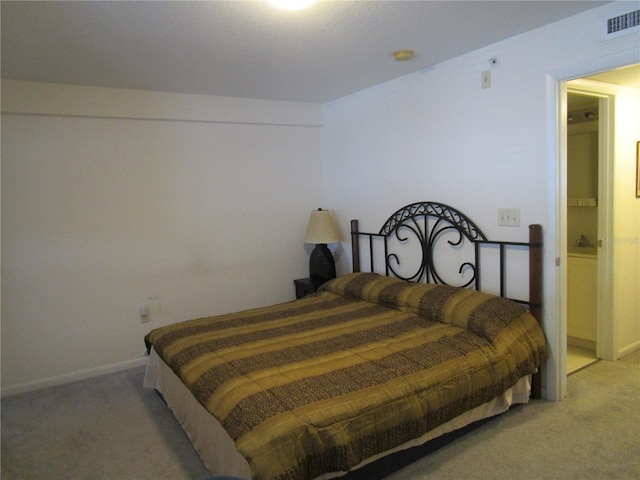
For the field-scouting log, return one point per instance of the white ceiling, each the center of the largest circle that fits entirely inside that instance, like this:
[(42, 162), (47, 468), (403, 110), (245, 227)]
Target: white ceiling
[(249, 48), (628, 76)]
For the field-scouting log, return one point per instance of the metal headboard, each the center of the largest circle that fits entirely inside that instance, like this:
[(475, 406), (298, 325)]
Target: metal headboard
[(429, 222)]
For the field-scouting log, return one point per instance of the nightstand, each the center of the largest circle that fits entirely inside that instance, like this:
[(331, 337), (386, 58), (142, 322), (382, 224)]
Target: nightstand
[(305, 286)]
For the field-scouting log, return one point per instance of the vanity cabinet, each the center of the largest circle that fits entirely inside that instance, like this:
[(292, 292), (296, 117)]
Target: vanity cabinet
[(582, 308)]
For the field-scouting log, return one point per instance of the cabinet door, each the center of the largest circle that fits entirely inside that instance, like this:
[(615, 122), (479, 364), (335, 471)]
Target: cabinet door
[(582, 304)]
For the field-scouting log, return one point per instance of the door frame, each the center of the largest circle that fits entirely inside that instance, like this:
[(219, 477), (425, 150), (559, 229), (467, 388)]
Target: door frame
[(554, 382), (605, 334)]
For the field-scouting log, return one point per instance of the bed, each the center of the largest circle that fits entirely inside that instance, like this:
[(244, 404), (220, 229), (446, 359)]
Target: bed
[(378, 361)]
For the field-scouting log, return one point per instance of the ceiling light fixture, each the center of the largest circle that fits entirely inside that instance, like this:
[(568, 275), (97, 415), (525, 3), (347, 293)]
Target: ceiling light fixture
[(403, 55), (292, 4)]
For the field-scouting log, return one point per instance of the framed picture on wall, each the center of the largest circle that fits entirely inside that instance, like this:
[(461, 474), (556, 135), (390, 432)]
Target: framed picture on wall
[(638, 169)]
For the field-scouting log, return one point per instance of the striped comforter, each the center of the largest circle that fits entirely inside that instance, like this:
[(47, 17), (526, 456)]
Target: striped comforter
[(368, 363)]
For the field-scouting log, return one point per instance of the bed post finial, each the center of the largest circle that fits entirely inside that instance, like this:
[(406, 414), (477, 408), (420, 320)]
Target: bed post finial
[(355, 246)]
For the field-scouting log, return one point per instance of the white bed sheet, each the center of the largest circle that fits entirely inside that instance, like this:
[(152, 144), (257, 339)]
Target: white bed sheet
[(217, 449)]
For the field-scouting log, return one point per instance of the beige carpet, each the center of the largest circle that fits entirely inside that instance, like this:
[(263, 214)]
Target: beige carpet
[(103, 428), (593, 434), (111, 428)]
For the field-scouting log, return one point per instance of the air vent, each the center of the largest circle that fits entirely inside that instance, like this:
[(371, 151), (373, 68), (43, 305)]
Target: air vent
[(622, 22)]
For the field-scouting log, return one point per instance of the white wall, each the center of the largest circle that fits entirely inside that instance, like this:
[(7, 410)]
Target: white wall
[(626, 224), (437, 135), (112, 196)]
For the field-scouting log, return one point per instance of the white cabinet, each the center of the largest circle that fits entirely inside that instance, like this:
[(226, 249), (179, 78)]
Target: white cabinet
[(582, 308)]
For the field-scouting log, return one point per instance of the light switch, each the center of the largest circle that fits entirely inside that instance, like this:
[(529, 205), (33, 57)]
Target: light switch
[(509, 217)]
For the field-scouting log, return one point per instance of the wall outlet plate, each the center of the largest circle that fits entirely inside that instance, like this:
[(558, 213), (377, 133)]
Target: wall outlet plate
[(486, 79)]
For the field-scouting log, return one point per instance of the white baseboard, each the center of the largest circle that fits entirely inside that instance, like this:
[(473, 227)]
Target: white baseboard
[(629, 349), (72, 377), (581, 343)]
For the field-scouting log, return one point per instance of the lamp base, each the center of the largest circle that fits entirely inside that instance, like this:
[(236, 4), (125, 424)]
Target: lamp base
[(321, 263)]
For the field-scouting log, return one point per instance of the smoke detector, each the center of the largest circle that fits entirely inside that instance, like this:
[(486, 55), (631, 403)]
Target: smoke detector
[(403, 55)]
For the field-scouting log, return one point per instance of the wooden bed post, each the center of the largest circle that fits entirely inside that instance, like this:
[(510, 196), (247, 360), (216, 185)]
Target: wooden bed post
[(535, 292), (355, 246)]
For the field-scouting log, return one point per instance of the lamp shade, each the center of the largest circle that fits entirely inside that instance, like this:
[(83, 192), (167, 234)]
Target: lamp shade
[(321, 228)]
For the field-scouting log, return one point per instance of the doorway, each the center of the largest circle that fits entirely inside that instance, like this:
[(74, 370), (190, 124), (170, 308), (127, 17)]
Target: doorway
[(625, 69), (588, 215), (583, 132)]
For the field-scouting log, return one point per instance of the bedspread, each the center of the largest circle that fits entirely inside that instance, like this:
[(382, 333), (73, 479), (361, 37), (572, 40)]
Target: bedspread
[(369, 362)]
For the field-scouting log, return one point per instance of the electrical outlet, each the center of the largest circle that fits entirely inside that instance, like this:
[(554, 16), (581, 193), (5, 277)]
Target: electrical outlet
[(144, 313), (509, 217), (149, 309)]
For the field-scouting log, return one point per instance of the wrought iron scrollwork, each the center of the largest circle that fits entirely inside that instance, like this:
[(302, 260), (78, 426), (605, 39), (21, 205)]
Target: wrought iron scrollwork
[(414, 219), (438, 210)]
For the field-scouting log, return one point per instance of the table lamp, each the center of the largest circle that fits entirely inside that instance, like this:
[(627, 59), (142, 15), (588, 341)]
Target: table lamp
[(321, 230)]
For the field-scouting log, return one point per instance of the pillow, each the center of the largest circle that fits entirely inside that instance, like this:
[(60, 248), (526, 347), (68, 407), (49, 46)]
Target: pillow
[(484, 314), (371, 287)]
